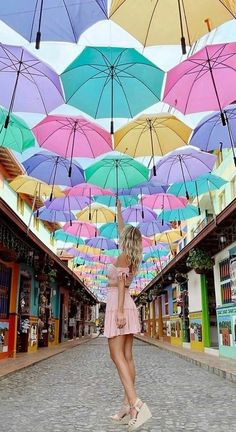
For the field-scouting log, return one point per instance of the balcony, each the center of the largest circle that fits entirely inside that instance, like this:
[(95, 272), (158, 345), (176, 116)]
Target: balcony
[(202, 225)]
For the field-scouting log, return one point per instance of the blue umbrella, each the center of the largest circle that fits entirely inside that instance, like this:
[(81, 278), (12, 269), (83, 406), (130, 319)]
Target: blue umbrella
[(101, 243), (65, 237), (146, 188), (108, 82), (109, 230), (149, 229), (110, 201), (53, 20), (211, 134), (180, 214), (54, 215)]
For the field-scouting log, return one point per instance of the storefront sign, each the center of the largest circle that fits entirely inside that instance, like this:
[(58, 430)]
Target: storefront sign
[(232, 268), (227, 326), (4, 331)]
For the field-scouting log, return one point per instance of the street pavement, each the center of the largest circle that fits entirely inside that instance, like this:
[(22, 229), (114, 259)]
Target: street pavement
[(78, 390)]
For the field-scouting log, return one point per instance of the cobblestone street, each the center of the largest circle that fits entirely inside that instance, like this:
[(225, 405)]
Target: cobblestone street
[(79, 389)]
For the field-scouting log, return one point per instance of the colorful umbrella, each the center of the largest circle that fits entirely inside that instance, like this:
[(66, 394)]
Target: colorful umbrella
[(115, 171), (151, 135), (68, 203), (146, 241), (80, 229), (86, 189), (202, 184), (53, 170), (109, 230), (27, 84), (164, 201), (184, 164), (49, 215), (138, 213), (101, 243), (17, 136), (210, 134), (169, 237), (210, 72), (34, 187), (110, 201), (179, 214), (67, 238), (167, 22), (148, 187), (72, 137), (96, 215), (151, 228), (57, 20), (112, 82)]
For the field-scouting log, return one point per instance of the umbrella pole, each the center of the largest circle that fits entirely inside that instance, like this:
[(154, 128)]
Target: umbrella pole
[(7, 120), (38, 35), (198, 204), (222, 114), (90, 215), (32, 210), (230, 137), (112, 67), (151, 136), (54, 177), (117, 184), (182, 39), (142, 203), (182, 170), (72, 149)]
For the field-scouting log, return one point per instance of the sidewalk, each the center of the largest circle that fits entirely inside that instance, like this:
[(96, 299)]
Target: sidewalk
[(223, 367), (23, 360)]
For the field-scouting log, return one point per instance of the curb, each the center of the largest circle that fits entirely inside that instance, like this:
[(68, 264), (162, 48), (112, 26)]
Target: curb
[(229, 376), (50, 355)]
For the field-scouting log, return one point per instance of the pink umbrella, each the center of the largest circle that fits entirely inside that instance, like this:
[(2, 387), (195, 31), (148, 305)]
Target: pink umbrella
[(72, 137), (164, 201), (204, 81), (87, 189), (146, 242), (80, 229)]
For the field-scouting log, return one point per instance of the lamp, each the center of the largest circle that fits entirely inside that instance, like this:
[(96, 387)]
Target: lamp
[(223, 238)]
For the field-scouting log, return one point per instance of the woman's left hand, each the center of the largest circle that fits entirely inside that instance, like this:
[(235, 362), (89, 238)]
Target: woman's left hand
[(120, 319)]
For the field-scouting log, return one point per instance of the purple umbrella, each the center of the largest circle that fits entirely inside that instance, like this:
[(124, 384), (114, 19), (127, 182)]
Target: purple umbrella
[(101, 243), (68, 203), (54, 170), (149, 188), (210, 134), (184, 164), (46, 214), (149, 229), (27, 84), (53, 20), (138, 213)]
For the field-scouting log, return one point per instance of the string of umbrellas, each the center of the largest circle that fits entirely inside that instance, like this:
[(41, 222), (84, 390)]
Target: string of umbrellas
[(112, 83)]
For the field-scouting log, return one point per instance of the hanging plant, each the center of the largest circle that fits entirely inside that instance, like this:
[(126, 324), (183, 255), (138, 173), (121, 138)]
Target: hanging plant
[(199, 260)]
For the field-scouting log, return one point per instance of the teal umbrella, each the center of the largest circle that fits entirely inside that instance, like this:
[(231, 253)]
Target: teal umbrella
[(17, 136), (109, 230), (155, 253), (116, 171), (112, 252), (110, 201), (111, 82), (180, 214), (67, 238)]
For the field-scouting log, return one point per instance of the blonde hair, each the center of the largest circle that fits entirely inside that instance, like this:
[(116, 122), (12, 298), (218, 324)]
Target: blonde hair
[(131, 246)]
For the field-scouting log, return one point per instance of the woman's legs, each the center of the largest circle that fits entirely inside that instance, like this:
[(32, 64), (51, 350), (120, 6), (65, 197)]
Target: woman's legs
[(117, 353), (129, 359)]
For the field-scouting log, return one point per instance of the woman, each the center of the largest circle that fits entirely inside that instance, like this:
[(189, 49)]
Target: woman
[(122, 322)]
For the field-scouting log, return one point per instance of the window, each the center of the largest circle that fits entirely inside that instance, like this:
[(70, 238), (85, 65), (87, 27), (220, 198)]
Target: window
[(233, 187), (5, 286), (225, 283), (36, 223), (20, 205), (166, 303), (174, 292), (222, 202)]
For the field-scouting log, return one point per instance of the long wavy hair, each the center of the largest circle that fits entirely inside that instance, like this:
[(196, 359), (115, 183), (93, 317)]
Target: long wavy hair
[(131, 246)]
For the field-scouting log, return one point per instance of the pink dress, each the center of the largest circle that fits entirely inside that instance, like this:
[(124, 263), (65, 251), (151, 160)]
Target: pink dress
[(130, 310)]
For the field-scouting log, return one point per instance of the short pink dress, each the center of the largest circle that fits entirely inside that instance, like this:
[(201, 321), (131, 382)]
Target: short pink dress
[(132, 325)]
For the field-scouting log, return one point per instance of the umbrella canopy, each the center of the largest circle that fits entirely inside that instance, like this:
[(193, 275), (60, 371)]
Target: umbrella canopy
[(151, 135), (109, 230), (180, 214), (164, 201), (101, 243), (210, 71), (68, 203), (53, 170), (163, 22), (112, 82), (110, 201), (17, 136), (148, 187), (49, 215), (86, 189), (183, 165), (96, 215), (151, 228), (67, 238), (146, 242), (202, 184), (170, 236), (34, 187), (115, 171), (138, 213), (27, 84), (80, 229), (54, 20)]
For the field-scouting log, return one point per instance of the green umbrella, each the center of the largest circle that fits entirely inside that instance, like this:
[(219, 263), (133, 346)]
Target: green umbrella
[(117, 171), (109, 230), (112, 252), (17, 136), (180, 214), (110, 201), (65, 237)]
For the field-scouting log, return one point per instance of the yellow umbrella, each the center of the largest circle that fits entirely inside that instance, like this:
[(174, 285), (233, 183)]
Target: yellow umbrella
[(32, 186), (96, 214), (88, 250), (153, 135), (169, 22), (169, 236)]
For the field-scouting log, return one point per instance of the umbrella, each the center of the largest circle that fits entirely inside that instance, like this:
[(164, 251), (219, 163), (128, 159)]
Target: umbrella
[(167, 22), (72, 137), (68, 203), (210, 72), (169, 237), (210, 134), (184, 164), (86, 189), (49, 215), (109, 230), (54, 20), (96, 215), (101, 243), (80, 229), (179, 214), (151, 228), (112, 82), (115, 171), (148, 187), (146, 241), (67, 238), (34, 187), (53, 170), (164, 201), (27, 84), (151, 135), (110, 201), (17, 136), (138, 213), (112, 252)]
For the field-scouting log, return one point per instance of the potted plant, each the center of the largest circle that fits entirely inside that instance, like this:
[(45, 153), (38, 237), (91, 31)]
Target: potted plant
[(199, 260)]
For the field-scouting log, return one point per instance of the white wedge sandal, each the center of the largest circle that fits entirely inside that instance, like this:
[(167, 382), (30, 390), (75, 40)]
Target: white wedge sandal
[(143, 415), (123, 416)]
